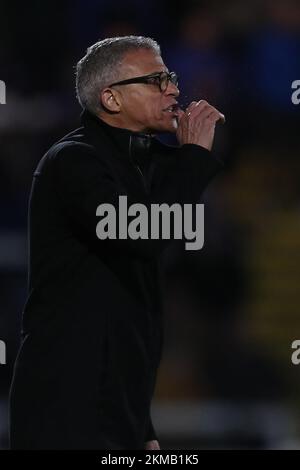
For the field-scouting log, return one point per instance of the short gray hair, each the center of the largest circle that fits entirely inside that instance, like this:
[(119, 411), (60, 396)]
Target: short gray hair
[(101, 66)]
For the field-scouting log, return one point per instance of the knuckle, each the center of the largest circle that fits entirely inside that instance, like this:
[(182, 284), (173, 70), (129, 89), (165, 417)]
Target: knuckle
[(192, 104), (211, 108), (203, 104)]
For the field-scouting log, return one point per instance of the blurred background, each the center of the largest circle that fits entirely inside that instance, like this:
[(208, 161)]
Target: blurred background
[(232, 309)]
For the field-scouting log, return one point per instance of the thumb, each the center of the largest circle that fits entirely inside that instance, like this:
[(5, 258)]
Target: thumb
[(181, 113)]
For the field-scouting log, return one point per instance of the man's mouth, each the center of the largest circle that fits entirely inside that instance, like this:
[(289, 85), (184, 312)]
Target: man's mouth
[(172, 109)]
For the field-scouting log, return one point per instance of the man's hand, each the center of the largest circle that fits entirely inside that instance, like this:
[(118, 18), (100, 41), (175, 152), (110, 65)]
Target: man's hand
[(152, 445), (197, 124)]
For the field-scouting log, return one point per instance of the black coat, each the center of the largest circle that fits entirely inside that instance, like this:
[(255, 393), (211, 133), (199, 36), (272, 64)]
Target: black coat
[(92, 324)]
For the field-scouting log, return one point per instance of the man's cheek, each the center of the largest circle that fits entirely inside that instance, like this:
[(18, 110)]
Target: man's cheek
[(161, 115)]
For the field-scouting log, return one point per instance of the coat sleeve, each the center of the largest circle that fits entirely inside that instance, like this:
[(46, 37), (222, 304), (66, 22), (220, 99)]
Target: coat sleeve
[(84, 181)]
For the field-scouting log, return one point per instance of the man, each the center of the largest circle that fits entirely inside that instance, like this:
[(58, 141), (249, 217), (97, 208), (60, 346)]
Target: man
[(92, 326)]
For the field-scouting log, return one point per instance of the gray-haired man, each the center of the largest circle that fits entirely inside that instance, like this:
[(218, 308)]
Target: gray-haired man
[(92, 326)]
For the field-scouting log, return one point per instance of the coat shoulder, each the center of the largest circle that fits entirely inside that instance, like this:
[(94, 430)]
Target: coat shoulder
[(67, 151)]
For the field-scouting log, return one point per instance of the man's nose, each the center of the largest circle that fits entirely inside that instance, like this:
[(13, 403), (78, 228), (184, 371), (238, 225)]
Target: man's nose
[(172, 89)]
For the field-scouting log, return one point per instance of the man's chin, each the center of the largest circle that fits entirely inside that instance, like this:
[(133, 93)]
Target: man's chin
[(171, 125), (165, 125), (174, 124)]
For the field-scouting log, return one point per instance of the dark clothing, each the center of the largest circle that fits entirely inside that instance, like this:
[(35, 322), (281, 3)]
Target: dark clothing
[(92, 325)]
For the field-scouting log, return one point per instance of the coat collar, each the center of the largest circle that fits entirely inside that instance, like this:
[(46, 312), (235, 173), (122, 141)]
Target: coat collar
[(134, 146)]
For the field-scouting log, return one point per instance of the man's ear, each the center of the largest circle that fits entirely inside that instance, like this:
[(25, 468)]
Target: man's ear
[(110, 100)]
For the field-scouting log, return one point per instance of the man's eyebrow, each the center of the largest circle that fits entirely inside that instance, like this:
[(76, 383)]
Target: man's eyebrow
[(159, 71)]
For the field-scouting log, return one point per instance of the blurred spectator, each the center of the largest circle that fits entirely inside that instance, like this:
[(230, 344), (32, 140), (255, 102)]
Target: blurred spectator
[(198, 57), (274, 52)]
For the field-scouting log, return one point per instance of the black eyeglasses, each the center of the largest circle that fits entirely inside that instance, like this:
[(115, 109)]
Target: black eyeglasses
[(161, 79)]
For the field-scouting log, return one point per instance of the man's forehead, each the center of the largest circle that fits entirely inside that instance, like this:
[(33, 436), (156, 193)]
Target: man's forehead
[(142, 62)]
